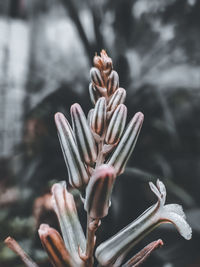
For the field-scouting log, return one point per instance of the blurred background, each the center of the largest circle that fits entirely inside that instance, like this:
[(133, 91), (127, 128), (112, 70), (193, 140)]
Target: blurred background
[(46, 51)]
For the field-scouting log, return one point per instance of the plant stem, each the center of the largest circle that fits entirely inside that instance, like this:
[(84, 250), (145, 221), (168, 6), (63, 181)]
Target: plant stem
[(92, 226)]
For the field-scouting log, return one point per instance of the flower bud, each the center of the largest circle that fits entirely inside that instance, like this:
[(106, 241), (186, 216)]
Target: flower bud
[(89, 117), (54, 246), (127, 143), (94, 94), (113, 82), (121, 243), (96, 78), (116, 125), (98, 62), (117, 98), (83, 135), (12, 244), (103, 63), (78, 176), (99, 190), (65, 209), (98, 120)]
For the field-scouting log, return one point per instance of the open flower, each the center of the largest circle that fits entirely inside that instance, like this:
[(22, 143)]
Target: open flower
[(120, 244)]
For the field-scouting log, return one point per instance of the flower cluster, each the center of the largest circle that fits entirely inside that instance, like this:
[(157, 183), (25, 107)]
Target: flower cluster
[(96, 150)]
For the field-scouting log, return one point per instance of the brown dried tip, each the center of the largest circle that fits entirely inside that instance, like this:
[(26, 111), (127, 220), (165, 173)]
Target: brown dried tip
[(103, 62), (15, 247), (143, 254)]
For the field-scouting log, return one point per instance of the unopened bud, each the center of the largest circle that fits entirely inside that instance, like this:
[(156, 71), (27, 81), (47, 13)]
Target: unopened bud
[(65, 209), (94, 94), (116, 125), (99, 191), (98, 120), (78, 176), (127, 143), (96, 78), (113, 82), (54, 246), (83, 135), (117, 98)]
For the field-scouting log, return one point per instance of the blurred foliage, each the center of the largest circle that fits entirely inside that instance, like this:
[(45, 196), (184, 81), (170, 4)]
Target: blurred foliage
[(155, 48)]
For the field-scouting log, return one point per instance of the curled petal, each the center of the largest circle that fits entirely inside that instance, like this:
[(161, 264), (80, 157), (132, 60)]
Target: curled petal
[(99, 190), (113, 82), (175, 208), (127, 143), (116, 125), (83, 134), (117, 98), (65, 208), (78, 175), (96, 78), (98, 121), (178, 221), (54, 246)]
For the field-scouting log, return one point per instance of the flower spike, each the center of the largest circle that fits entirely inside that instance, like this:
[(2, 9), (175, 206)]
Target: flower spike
[(78, 176), (120, 244), (83, 135)]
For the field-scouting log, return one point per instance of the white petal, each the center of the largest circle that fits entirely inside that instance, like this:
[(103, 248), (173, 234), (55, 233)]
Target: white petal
[(179, 222), (176, 209)]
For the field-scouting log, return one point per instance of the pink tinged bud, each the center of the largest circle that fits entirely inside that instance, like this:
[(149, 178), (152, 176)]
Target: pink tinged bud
[(98, 62), (15, 247), (84, 138), (99, 191), (121, 243), (127, 144), (96, 78), (113, 82), (98, 120), (107, 62), (78, 176), (54, 246), (117, 98), (65, 209), (116, 125), (143, 254)]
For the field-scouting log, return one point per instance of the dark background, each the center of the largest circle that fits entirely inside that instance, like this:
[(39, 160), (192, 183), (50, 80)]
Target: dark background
[(46, 51)]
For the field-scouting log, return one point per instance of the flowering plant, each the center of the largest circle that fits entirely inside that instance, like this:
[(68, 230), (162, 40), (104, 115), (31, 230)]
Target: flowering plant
[(96, 150)]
